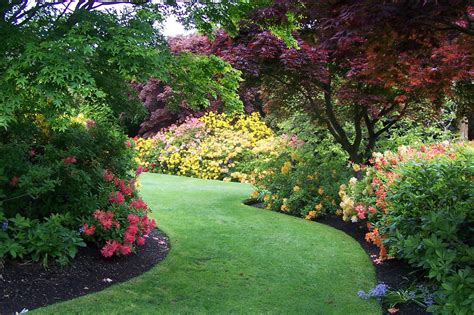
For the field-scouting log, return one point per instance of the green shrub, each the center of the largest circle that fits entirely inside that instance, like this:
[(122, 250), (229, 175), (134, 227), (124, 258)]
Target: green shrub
[(59, 171), (57, 180), (420, 205), (431, 224), (39, 241), (303, 180)]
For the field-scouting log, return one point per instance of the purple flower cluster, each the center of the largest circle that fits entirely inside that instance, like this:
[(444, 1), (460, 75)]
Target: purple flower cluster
[(428, 300), (4, 225), (428, 297), (379, 291)]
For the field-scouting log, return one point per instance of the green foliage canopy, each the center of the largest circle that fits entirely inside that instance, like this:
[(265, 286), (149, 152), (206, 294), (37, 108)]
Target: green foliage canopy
[(56, 60)]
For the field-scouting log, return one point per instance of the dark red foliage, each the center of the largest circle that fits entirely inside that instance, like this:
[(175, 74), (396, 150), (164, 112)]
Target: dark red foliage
[(193, 43), (155, 94), (379, 59)]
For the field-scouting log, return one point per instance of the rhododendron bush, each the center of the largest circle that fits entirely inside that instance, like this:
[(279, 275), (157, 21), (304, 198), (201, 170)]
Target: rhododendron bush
[(419, 206), (215, 146), (66, 186), (123, 224)]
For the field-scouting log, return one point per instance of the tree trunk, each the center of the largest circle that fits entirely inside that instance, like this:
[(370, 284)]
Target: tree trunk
[(463, 125)]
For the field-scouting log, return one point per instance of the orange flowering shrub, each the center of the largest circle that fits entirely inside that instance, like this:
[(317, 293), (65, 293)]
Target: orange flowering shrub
[(419, 204), (367, 199)]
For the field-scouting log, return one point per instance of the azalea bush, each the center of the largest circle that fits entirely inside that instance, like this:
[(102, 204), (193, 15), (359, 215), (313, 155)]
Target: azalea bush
[(419, 203), (51, 171), (303, 180), (214, 146), (55, 181), (121, 225)]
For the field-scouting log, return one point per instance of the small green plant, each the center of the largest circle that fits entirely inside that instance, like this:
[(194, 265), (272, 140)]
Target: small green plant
[(25, 238)]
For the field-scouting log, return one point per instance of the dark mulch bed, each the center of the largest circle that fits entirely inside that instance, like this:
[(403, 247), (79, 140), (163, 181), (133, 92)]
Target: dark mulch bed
[(29, 285), (395, 273)]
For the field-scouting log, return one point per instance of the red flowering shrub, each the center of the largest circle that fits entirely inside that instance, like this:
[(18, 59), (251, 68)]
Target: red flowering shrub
[(53, 179), (88, 230), (123, 224), (70, 160), (108, 176), (116, 197)]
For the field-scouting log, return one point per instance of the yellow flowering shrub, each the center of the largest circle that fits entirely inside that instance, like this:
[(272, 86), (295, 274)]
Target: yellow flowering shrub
[(211, 147), (299, 182), (144, 151)]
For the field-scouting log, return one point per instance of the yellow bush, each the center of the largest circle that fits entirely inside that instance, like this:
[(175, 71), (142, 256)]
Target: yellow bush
[(209, 147)]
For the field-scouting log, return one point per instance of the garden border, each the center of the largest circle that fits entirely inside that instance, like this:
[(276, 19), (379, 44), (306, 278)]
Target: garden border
[(28, 285)]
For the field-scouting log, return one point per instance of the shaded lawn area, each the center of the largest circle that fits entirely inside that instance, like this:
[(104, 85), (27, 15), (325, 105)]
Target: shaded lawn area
[(230, 258)]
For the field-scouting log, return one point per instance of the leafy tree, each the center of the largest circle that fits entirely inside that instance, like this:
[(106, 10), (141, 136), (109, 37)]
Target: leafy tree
[(366, 63), (59, 60), (157, 95)]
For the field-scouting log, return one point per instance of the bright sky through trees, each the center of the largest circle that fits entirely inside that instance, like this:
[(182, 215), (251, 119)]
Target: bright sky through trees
[(171, 27)]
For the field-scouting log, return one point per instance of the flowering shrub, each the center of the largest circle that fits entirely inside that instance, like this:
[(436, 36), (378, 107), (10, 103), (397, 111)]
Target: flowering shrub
[(144, 149), (210, 147), (52, 182), (52, 171), (419, 206), (302, 180), (123, 224)]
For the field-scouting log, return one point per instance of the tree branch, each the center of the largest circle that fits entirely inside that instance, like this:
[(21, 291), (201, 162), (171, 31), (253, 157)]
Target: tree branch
[(452, 26), (331, 117), (358, 128), (22, 4)]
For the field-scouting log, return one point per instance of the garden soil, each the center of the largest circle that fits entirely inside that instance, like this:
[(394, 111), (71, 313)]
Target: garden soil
[(28, 285)]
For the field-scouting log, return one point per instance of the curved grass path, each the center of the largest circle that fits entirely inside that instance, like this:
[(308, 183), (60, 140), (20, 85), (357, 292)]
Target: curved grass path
[(230, 258)]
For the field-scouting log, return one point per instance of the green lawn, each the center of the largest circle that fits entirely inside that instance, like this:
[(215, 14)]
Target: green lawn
[(230, 258)]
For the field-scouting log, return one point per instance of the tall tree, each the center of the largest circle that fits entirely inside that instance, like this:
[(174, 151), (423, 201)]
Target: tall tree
[(365, 63), (58, 57)]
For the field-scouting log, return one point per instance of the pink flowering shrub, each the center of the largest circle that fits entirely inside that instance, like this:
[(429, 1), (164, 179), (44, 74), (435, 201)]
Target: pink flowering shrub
[(367, 199), (123, 223), (79, 181), (52, 172)]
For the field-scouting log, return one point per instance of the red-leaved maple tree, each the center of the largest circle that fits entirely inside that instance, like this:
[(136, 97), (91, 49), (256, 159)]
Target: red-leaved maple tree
[(359, 66)]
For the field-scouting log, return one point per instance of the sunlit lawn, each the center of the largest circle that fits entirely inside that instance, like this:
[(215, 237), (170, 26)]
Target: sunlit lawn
[(230, 258)]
